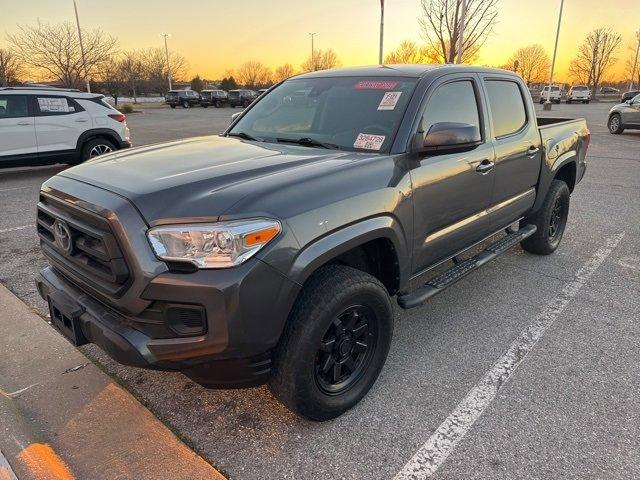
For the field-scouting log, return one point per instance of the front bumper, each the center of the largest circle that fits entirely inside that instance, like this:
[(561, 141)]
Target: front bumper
[(234, 352)]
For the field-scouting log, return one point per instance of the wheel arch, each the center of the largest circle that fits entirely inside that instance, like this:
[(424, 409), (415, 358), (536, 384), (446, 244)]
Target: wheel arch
[(105, 133)]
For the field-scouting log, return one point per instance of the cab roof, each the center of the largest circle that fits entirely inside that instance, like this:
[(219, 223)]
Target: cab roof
[(410, 71)]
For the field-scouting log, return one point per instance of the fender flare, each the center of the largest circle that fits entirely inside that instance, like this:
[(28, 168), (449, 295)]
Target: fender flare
[(321, 251), (97, 132), (548, 176)]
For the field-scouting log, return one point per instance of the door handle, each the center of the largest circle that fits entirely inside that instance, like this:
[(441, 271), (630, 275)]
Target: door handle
[(532, 151), (81, 120), (485, 167), (23, 123)]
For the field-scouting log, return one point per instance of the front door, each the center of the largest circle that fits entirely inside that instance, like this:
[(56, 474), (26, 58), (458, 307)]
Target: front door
[(631, 113), (452, 190), (17, 130)]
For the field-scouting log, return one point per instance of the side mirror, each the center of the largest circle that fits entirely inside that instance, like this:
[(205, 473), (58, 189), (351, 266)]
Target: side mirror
[(235, 116), (445, 137)]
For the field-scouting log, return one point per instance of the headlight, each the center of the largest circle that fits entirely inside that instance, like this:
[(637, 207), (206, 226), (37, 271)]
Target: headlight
[(213, 245)]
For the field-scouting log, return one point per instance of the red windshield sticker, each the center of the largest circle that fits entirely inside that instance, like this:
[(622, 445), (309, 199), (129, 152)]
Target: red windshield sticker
[(376, 85)]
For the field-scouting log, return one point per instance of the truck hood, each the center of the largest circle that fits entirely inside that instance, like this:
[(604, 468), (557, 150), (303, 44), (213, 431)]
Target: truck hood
[(198, 177)]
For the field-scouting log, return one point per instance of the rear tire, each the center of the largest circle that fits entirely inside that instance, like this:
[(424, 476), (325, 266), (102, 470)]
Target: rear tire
[(569, 102), (185, 104), (550, 220), (96, 147), (204, 105), (334, 344), (615, 124), (172, 106)]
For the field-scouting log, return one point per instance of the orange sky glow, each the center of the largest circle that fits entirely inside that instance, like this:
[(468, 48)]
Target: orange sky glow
[(216, 36)]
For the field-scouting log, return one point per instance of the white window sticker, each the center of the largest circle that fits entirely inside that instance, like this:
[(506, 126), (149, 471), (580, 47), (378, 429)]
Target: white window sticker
[(54, 105), (369, 142), (389, 100)]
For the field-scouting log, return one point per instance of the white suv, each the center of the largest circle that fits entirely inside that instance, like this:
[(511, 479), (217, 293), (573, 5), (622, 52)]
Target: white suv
[(44, 125), (579, 93)]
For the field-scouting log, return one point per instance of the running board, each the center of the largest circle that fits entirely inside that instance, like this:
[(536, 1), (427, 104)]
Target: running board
[(463, 268)]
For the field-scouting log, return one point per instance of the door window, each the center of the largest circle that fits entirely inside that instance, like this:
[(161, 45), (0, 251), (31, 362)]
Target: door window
[(507, 107), (13, 106), (452, 102)]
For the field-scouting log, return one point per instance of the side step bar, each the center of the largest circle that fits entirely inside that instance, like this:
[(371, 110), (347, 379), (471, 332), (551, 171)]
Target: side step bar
[(464, 268)]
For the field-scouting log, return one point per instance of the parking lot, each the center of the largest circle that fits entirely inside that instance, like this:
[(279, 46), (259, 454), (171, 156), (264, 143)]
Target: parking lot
[(570, 409)]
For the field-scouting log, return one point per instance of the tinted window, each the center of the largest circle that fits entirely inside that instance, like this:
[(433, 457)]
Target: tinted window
[(452, 102), (13, 106), (507, 107), (353, 113)]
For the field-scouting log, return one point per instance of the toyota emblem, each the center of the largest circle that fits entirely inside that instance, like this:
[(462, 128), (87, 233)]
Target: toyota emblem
[(62, 235)]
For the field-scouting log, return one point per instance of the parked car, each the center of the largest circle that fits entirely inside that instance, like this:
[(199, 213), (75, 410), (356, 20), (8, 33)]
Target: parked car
[(555, 95), (47, 125), (241, 98), (184, 98), (579, 93), (272, 253), (609, 90), (262, 91), (217, 98), (629, 95), (625, 115)]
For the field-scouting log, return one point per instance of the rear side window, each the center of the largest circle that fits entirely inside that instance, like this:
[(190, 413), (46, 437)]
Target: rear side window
[(56, 106), (452, 102), (13, 106), (507, 107)]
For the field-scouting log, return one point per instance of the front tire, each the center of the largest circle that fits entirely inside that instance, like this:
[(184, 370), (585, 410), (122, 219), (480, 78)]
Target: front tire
[(615, 124), (185, 104), (334, 344), (550, 220)]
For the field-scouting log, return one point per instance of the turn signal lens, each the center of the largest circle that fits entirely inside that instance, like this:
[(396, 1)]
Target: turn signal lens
[(260, 237)]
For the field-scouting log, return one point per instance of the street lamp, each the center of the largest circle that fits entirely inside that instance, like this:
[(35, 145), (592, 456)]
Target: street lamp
[(463, 19), (313, 60), (547, 104), (381, 31), (635, 62), (166, 51), (84, 61)]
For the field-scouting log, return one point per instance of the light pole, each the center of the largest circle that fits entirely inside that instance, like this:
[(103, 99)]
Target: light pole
[(166, 51), (635, 62), (463, 19), (84, 61), (381, 31), (547, 104), (313, 59)]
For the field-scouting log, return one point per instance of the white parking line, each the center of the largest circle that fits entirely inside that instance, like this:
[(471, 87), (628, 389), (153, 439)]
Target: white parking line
[(6, 473), (444, 440), (13, 229)]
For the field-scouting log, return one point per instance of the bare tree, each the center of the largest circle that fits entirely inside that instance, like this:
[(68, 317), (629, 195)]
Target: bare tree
[(532, 62), (54, 51), (410, 52), (253, 74), (283, 72), (113, 80), (10, 68), (440, 24), (632, 65), (595, 56), (154, 66), (322, 60), (132, 67)]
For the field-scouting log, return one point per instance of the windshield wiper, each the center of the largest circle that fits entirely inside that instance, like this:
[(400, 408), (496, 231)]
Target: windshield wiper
[(309, 142), (244, 136)]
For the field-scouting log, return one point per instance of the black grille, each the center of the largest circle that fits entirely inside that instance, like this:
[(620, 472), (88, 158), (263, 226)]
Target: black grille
[(94, 258)]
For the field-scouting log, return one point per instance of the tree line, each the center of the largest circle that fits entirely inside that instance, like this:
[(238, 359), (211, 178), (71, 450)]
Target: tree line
[(52, 51)]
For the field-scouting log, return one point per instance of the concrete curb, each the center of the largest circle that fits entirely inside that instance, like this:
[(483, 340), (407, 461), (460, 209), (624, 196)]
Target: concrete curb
[(62, 418)]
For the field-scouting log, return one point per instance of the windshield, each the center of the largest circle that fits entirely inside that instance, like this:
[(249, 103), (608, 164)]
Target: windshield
[(579, 89), (350, 113)]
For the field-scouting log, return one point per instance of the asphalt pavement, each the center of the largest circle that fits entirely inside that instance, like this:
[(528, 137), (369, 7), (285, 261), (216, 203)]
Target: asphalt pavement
[(568, 409)]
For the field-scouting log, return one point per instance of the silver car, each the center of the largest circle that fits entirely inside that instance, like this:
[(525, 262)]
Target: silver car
[(625, 115)]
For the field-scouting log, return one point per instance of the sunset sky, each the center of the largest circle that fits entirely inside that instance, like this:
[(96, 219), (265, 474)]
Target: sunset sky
[(218, 35)]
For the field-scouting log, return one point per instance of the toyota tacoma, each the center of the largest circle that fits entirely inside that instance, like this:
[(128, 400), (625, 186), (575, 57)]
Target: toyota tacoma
[(271, 253)]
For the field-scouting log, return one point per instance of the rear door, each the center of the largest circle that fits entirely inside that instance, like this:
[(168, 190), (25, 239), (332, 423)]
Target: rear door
[(17, 126), (450, 194), (59, 123), (516, 140)]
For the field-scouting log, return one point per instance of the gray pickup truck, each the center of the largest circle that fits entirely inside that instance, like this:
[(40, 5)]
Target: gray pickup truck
[(270, 253)]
